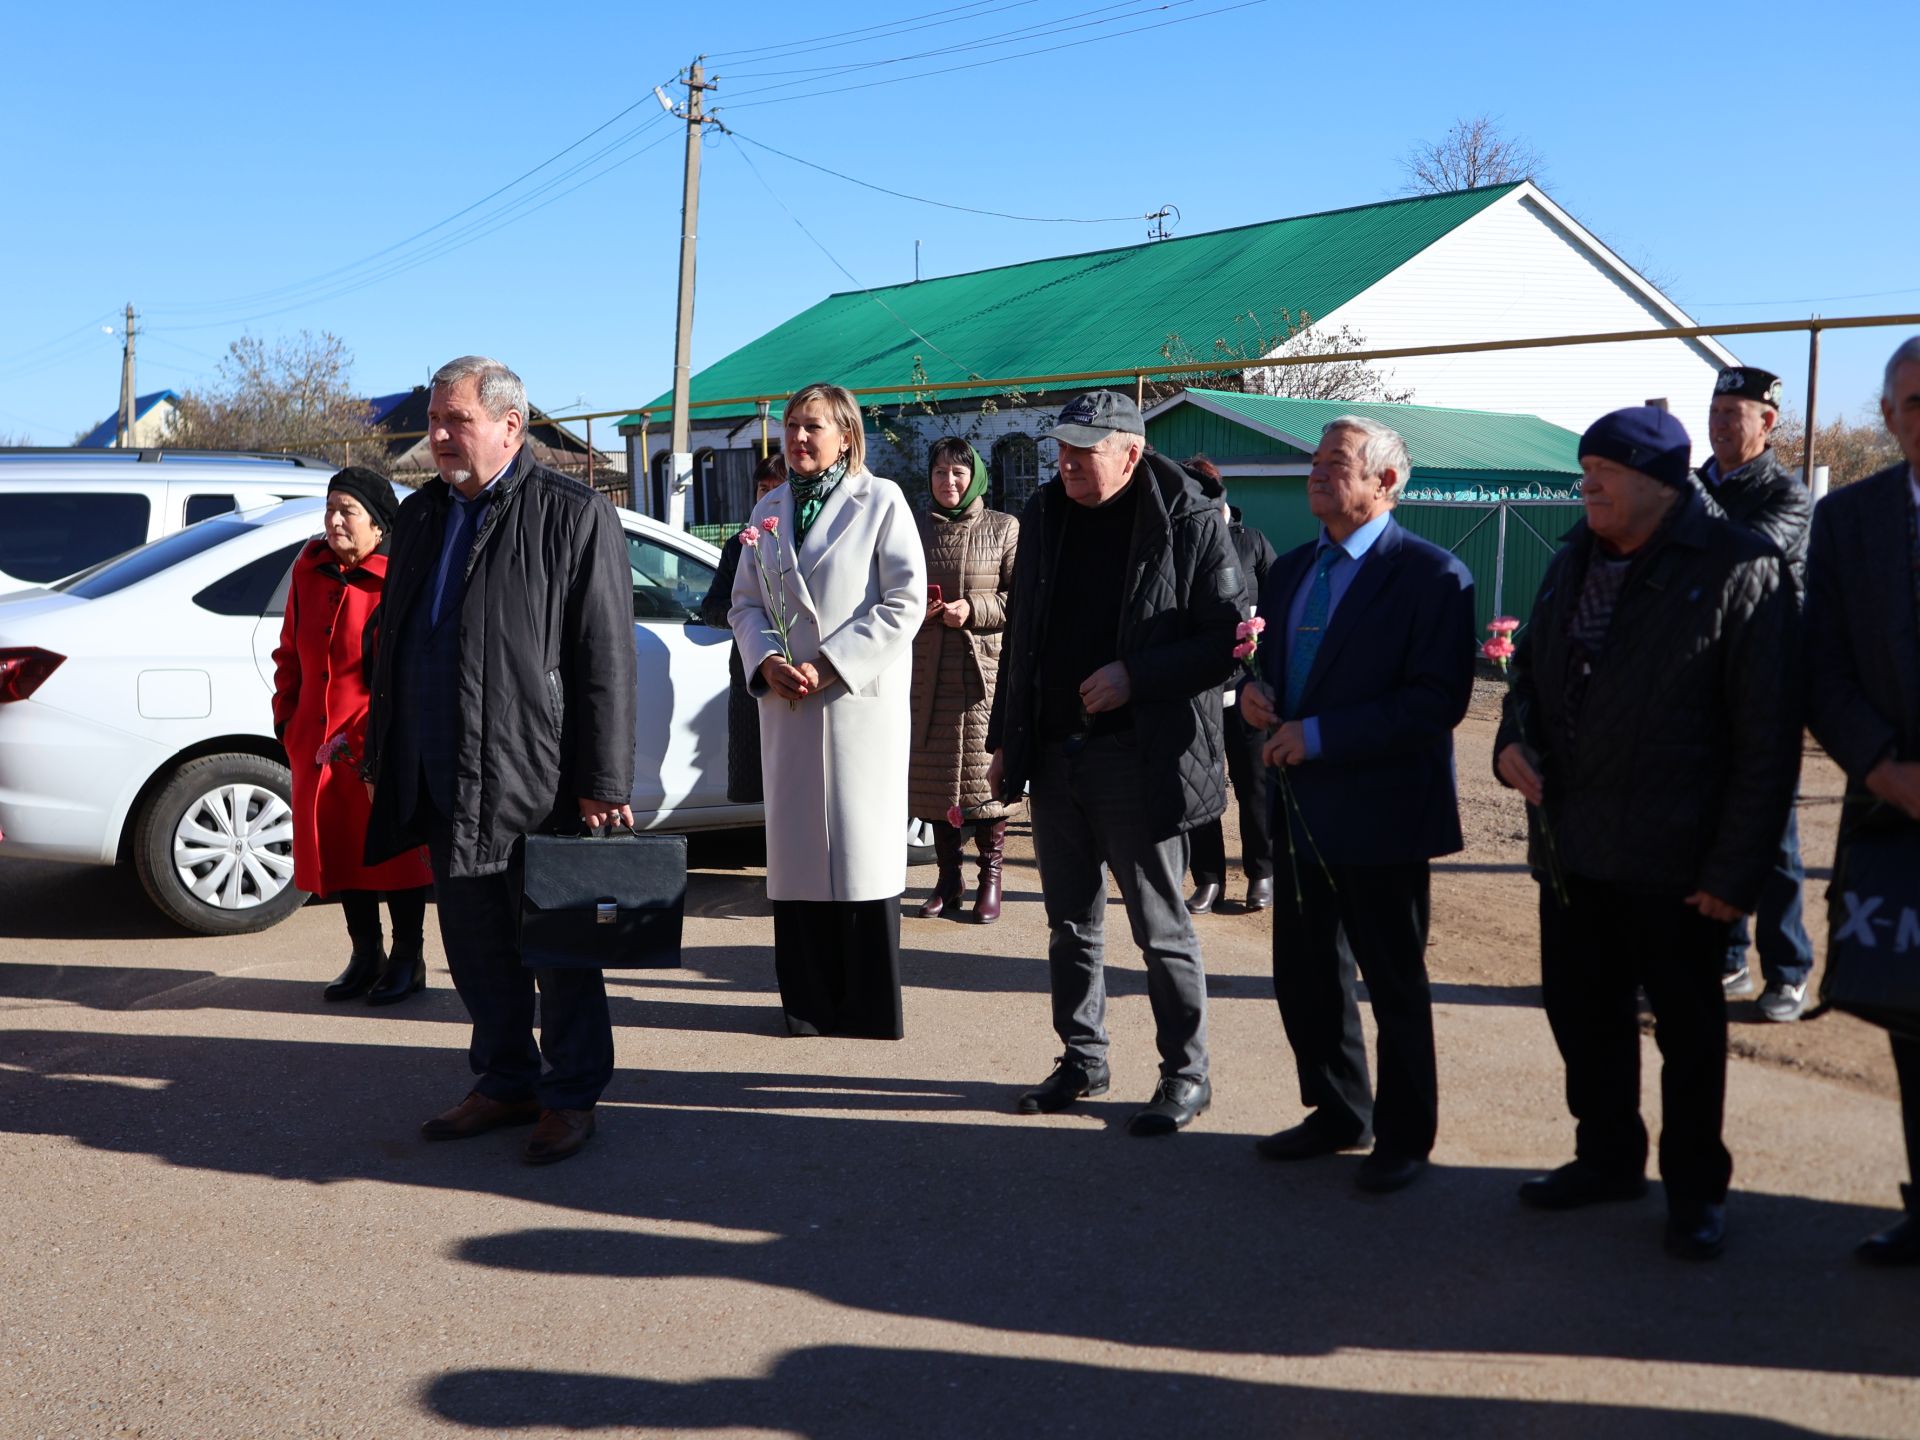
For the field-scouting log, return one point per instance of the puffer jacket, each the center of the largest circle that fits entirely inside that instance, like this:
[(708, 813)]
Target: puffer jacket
[(1176, 637), (1678, 768), (1767, 498), (956, 670), (547, 698)]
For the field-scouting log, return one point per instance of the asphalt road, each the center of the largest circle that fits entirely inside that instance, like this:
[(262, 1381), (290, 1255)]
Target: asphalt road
[(221, 1222)]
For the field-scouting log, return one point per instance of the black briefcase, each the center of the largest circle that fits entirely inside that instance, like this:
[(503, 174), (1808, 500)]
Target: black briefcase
[(601, 902), (1873, 929)]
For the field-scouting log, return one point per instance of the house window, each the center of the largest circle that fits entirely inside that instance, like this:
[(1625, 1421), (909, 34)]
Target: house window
[(1015, 468)]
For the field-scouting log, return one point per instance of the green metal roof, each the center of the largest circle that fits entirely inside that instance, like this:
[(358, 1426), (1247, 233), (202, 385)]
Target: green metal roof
[(1437, 438), (1100, 311)]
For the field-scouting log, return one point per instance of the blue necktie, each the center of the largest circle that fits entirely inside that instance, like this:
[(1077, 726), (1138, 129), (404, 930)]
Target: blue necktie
[(1313, 627), (466, 521)]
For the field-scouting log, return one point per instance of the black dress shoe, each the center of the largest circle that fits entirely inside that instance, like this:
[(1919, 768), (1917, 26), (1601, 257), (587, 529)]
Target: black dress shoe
[(1260, 893), (1069, 1081), (1899, 1245), (1204, 898), (1384, 1172), (362, 970), (1307, 1141), (1575, 1184), (405, 974), (1176, 1100), (1697, 1232)]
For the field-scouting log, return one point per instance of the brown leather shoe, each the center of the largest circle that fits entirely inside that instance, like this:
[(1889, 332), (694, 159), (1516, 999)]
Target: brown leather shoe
[(478, 1114), (560, 1134)]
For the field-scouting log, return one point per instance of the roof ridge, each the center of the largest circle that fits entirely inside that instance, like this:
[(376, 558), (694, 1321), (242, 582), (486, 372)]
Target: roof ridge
[(1180, 239), (1385, 404)]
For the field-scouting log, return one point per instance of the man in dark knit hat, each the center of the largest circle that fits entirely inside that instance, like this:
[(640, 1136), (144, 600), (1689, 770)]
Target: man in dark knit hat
[(1746, 480), (1654, 729)]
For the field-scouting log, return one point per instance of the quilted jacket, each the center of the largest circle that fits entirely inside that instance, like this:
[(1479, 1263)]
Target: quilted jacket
[(1767, 498), (1182, 604), (1676, 770), (956, 670)]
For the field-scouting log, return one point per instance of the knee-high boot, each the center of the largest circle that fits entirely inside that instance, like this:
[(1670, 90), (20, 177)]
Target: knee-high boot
[(948, 886), (990, 839)]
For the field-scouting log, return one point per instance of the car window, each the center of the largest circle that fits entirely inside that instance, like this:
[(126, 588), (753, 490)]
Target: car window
[(150, 560), (666, 584), (44, 536), (252, 589), (205, 507)]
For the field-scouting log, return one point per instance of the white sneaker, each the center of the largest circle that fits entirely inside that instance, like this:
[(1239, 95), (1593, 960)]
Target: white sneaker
[(1737, 982), (1783, 1003)]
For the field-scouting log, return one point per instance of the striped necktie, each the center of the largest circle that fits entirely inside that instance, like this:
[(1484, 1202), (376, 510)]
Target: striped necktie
[(1313, 627)]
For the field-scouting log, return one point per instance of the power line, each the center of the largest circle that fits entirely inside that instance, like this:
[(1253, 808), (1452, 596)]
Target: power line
[(64, 337), (793, 46), (997, 60), (942, 204), (969, 372), (1056, 26), (1802, 300)]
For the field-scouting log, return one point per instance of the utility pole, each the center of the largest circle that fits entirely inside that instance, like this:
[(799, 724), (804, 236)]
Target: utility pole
[(681, 464), (125, 435)]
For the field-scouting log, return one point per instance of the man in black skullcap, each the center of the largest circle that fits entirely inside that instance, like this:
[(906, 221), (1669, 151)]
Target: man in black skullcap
[(1654, 727), (1746, 480)]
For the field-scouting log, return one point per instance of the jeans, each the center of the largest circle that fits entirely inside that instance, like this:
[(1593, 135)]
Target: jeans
[(1786, 954), (1087, 820)]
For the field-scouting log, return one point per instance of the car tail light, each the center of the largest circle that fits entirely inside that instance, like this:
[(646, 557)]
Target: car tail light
[(22, 670)]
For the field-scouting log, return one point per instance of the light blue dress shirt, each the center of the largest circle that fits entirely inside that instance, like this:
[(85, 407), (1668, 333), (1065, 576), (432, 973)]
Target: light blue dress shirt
[(1340, 576)]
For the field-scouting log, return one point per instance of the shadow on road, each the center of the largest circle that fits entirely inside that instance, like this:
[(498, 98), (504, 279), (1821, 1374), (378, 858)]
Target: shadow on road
[(846, 1392)]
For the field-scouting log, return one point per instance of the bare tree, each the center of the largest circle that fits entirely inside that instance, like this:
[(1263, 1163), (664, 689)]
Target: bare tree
[(1473, 152), (291, 395), (1255, 339), (1850, 449)]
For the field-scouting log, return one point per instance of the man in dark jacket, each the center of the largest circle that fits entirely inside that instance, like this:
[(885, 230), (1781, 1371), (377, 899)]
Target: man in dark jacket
[(1863, 689), (1367, 668), (1246, 772), (1120, 635), (1747, 481), (503, 703), (1655, 716)]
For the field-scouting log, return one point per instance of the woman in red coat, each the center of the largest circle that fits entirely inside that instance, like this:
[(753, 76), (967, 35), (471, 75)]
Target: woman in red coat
[(320, 715)]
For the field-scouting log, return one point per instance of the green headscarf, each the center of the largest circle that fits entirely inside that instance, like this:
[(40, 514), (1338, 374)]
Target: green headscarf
[(975, 489), (810, 494)]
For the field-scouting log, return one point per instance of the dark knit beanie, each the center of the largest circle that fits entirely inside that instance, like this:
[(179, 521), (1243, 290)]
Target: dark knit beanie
[(373, 490), (1644, 438)]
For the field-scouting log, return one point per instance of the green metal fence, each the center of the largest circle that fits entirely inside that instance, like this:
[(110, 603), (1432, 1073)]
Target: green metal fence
[(1505, 543)]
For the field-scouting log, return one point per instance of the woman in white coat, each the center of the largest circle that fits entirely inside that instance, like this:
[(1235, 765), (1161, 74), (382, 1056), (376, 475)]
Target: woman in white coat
[(827, 600)]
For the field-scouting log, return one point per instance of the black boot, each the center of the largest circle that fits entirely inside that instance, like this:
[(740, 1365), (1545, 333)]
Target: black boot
[(990, 839), (405, 974), (948, 886), (362, 970)]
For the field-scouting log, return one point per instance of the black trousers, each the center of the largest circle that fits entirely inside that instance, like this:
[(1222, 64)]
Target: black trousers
[(1596, 952), (479, 927), (838, 964), (1906, 1064), (1371, 920), (408, 908), (1249, 778)]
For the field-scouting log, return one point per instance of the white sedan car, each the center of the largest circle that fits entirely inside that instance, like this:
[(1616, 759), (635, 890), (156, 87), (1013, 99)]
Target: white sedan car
[(136, 720)]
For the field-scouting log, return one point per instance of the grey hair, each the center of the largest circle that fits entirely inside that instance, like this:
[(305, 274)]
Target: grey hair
[(500, 389), (1384, 449), (1907, 354)]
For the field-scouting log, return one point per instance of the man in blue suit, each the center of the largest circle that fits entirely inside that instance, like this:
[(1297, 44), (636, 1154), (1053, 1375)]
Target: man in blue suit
[(1368, 667)]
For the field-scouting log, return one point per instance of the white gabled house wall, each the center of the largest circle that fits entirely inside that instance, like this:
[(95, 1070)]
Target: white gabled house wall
[(1520, 268)]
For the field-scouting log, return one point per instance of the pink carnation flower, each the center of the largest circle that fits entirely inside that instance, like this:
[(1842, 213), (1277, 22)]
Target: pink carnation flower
[(1499, 648), (771, 524), (750, 537), (955, 817), (1503, 625), (1250, 627), (1245, 648)]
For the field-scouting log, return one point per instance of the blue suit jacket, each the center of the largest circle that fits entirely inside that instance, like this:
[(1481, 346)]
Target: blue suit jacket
[(1392, 677)]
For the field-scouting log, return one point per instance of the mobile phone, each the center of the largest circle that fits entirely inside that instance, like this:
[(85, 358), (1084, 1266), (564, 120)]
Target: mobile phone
[(933, 595)]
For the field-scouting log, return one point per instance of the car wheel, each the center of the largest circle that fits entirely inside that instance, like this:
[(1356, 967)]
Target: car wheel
[(919, 843), (214, 846)]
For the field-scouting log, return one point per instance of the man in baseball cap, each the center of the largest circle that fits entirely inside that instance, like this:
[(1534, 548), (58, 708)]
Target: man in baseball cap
[(1746, 480), (1115, 730), (1653, 727)]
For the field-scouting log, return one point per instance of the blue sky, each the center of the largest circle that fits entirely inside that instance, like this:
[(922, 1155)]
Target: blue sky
[(229, 167)]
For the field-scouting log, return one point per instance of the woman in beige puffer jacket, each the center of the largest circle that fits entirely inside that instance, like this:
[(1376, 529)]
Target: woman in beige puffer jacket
[(956, 663)]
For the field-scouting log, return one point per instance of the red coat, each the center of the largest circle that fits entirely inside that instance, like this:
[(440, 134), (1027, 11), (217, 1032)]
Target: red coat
[(320, 691)]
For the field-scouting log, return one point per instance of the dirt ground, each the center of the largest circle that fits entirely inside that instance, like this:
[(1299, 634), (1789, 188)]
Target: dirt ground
[(1486, 930)]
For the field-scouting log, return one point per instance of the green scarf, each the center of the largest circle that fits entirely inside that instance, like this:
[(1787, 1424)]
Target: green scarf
[(810, 494), (975, 489)]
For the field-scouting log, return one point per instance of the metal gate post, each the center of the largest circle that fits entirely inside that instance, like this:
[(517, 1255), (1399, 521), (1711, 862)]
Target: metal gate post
[(1500, 563)]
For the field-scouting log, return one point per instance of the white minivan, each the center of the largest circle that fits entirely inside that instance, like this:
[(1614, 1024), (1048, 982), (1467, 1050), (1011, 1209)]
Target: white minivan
[(64, 510)]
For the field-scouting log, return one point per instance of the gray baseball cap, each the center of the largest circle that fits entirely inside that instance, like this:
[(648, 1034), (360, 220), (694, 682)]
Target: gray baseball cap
[(1089, 418)]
